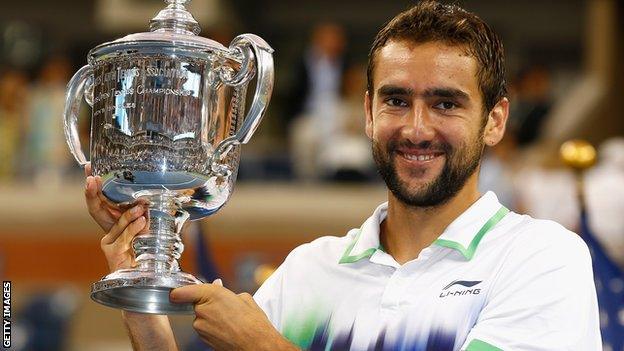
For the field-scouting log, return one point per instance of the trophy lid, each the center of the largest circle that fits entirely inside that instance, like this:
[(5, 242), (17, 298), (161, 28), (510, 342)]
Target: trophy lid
[(172, 26), (175, 18)]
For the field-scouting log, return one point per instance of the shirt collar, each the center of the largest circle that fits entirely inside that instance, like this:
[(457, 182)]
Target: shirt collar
[(366, 240), (467, 230), (463, 234)]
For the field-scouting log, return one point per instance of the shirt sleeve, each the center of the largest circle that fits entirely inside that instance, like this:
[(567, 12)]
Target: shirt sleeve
[(543, 298), (269, 296)]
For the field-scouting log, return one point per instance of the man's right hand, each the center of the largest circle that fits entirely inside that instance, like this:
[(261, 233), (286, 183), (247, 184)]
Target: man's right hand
[(147, 332), (117, 243), (100, 208), (121, 227)]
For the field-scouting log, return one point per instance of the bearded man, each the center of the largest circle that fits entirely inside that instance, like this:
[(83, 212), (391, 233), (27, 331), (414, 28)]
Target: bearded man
[(438, 266)]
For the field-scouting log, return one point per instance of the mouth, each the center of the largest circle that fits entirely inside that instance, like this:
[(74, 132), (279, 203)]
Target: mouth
[(419, 157)]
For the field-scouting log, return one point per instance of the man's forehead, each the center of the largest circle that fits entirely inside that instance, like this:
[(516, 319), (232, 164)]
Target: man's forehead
[(432, 53), (433, 62), (441, 44)]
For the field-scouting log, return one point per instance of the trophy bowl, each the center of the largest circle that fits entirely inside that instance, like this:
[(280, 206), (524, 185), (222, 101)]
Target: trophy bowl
[(167, 122)]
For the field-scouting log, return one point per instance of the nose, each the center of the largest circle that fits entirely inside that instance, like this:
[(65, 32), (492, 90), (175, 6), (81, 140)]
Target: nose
[(419, 125)]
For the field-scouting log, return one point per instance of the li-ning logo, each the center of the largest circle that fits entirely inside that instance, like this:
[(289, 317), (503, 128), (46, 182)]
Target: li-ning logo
[(465, 283)]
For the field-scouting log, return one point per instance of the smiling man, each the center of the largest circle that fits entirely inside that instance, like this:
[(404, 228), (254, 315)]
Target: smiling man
[(438, 266)]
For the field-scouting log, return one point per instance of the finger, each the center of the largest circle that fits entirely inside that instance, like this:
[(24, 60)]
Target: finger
[(87, 169), (124, 238), (91, 192), (112, 207), (196, 293), (133, 262), (99, 210), (128, 217), (132, 230), (94, 203)]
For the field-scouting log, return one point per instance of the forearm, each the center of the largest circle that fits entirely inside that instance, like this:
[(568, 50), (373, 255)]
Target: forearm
[(272, 340), (283, 345), (149, 332)]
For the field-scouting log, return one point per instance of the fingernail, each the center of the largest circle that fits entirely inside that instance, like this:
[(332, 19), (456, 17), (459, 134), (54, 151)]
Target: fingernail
[(87, 182), (135, 209), (172, 295), (218, 282)]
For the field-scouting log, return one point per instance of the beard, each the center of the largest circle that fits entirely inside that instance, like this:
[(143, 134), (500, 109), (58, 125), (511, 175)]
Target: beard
[(460, 163)]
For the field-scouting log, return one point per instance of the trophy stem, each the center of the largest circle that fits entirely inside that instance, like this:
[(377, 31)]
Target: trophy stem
[(160, 248), (145, 288)]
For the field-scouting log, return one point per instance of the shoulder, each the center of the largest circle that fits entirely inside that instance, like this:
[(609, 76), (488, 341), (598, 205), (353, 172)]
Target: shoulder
[(539, 235), (323, 249), (536, 247), (545, 278), (306, 263)]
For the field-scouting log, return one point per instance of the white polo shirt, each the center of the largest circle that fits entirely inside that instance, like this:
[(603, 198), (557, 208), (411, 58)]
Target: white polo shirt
[(493, 280)]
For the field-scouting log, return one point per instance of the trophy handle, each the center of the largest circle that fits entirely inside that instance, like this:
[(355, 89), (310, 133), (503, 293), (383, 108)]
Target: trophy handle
[(251, 47), (81, 81)]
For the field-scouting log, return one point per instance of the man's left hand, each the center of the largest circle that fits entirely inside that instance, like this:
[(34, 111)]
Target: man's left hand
[(227, 321)]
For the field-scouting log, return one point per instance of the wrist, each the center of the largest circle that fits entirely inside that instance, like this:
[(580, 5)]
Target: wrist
[(282, 344), (131, 318), (273, 342), (149, 332)]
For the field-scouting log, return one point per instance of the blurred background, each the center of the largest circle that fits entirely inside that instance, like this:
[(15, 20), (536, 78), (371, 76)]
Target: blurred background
[(308, 171)]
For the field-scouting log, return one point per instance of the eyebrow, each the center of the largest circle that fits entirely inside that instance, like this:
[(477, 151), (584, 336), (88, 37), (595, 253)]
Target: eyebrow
[(447, 93), (388, 90), (443, 92)]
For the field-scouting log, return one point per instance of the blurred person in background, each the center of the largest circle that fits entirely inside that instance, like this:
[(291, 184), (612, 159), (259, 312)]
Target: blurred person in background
[(532, 103), (347, 156), (47, 151), (548, 190), (439, 266), (542, 187), (315, 99), (13, 103), (319, 71), (604, 198), (498, 171), (44, 320)]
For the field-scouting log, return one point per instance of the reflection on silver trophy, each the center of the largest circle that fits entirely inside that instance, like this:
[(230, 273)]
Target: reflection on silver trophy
[(167, 124)]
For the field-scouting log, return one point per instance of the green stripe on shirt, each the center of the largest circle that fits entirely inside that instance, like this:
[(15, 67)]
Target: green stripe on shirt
[(478, 345)]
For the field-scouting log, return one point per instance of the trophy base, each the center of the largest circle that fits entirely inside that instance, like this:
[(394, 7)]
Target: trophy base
[(143, 291)]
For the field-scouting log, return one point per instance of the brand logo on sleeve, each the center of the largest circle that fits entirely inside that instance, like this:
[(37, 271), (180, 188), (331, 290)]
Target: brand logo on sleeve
[(460, 288)]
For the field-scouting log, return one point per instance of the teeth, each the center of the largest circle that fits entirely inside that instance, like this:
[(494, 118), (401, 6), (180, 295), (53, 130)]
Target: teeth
[(419, 157)]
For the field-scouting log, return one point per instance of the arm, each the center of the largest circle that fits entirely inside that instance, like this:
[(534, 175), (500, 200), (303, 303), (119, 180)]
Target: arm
[(543, 298), (149, 332), (146, 332)]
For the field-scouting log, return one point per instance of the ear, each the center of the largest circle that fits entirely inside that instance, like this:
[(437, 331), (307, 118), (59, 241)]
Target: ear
[(368, 110), (495, 126)]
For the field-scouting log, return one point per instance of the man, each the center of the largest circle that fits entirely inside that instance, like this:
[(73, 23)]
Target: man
[(437, 267)]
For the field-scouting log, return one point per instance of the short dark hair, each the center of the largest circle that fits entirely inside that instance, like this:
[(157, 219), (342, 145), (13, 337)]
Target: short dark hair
[(431, 21)]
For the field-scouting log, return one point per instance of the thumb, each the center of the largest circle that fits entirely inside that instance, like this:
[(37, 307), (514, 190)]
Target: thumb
[(192, 293)]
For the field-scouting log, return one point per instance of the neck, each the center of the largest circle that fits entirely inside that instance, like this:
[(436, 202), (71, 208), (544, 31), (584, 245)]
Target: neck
[(407, 230)]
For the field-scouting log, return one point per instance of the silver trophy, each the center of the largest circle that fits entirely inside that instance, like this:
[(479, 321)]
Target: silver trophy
[(166, 129)]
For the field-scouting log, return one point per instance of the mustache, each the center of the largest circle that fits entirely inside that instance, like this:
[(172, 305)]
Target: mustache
[(443, 147)]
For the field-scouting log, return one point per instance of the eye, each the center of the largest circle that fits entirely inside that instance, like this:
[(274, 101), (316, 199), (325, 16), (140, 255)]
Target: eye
[(396, 102), (446, 105)]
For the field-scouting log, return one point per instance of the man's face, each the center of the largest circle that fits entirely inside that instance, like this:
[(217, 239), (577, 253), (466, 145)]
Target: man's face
[(426, 120)]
